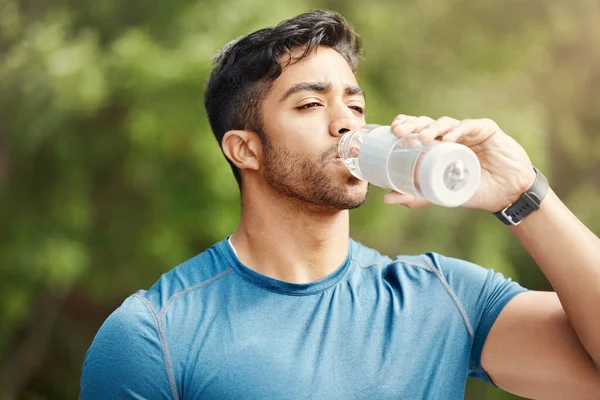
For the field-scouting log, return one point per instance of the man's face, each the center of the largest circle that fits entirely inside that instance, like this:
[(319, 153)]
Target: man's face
[(311, 104)]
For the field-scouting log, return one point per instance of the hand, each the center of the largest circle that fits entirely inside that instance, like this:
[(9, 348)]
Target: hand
[(506, 171)]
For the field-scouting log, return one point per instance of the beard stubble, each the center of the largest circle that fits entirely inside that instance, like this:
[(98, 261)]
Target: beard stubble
[(306, 179)]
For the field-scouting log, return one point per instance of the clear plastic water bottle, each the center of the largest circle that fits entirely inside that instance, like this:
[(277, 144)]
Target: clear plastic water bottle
[(446, 174)]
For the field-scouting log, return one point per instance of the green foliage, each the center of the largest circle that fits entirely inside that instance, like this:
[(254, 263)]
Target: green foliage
[(110, 175)]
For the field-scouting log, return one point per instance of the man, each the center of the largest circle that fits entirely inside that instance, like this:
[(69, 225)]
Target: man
[(289, 307)]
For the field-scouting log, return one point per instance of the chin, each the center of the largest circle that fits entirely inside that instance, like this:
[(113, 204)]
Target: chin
[(355, 196)]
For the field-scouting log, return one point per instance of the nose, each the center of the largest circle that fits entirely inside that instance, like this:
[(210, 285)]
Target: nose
[(341, 125)]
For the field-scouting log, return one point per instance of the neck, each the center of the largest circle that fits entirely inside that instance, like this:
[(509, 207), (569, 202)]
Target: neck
[(289, 240)]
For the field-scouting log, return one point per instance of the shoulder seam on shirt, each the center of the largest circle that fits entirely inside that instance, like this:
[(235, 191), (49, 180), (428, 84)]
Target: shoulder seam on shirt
[(371, 265), (163, 345), (363, 267), (425, 267), (163, 311), (454, 297)]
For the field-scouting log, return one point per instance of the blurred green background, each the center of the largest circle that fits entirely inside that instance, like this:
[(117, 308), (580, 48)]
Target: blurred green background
[(110, 175)]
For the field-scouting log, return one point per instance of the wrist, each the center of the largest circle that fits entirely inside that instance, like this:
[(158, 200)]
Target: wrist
[(549, 210), (528, 202), (526, 184)]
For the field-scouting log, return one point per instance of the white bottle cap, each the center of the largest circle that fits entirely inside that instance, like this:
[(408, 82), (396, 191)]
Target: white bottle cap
[(434, 166)]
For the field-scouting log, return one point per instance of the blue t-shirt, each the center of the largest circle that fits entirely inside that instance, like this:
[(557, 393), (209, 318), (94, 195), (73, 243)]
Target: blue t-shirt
[(376, 328)]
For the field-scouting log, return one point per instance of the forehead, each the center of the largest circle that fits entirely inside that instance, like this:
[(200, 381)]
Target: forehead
[(323, 65)]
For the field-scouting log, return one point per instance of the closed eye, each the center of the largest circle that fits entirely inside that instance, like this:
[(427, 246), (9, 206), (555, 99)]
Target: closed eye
[(308, 105), (359, 109)]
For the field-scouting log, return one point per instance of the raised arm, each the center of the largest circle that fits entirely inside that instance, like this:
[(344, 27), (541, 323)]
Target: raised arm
[(543, 344), (547, 345)]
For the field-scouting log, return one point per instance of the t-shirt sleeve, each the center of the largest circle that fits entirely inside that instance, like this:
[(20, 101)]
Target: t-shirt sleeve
[(126, 359), (483, 294)]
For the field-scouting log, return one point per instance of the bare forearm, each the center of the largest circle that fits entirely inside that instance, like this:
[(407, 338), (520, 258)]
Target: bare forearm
[(568, 253)]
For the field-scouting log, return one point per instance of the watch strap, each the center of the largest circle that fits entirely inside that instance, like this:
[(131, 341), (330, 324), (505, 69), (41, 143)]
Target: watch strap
[(529, 202)]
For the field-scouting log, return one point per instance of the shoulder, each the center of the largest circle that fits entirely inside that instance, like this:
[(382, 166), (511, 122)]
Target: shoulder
[(126, 356), (467, 278), (459, 277), (465, 282), (367, 257), (132, 326), (427, 264), (203, 270), (448, 269)]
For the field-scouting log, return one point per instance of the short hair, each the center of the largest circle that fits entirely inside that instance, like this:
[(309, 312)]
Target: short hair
[(245, 69)]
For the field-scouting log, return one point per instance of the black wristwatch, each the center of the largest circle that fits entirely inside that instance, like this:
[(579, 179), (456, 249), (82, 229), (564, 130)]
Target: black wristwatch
[(529, 202)]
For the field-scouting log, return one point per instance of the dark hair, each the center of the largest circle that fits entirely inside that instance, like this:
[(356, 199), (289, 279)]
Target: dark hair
[(244, 70)]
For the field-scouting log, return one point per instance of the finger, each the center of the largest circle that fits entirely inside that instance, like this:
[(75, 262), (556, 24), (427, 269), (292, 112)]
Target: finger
[(472, 132), (438, 129), (411, 125), (460, 131), (405, 200), (400, 118), (403, 119), (454, 134)]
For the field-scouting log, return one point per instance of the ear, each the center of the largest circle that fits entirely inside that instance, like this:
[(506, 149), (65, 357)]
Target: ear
[(243, 149)]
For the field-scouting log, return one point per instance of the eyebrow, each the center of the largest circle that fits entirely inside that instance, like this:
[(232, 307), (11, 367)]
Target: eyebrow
[(320, 87)]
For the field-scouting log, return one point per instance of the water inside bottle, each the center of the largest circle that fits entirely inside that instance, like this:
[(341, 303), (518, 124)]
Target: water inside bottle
[(349, 149), (401, 170), (352, 164)]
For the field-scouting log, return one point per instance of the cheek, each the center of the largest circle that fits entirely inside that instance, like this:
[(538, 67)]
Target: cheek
[(305, 134), (290, 121), (296, 138)]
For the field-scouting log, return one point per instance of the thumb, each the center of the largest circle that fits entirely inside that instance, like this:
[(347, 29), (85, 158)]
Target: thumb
[(406, 200)]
